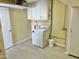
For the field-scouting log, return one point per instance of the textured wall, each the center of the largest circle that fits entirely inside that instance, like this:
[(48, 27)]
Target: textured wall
[(21, 27), (71, 2), (60, 14)]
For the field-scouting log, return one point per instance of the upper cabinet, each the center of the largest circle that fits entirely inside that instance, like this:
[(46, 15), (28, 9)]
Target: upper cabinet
[(38, 10)]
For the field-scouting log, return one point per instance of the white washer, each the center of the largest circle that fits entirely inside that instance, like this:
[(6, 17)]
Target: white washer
[(40, 37)]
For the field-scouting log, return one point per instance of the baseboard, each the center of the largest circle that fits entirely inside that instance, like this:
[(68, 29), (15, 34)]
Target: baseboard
[(59, 44), (66, 53), (22, 41), (19, 42)]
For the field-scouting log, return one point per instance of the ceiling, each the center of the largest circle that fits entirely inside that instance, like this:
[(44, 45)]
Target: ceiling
[(73, 3)]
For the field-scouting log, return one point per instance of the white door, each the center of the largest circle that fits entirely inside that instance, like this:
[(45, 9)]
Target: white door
[(6, 27), (73, 41)]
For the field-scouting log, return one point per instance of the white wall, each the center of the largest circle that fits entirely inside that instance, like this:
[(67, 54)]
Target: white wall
[(71, 2), (21, 26)]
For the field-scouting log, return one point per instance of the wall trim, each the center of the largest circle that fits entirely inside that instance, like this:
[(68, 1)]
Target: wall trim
[(22, 41), (59, 44), (15, 44), (66, 53)]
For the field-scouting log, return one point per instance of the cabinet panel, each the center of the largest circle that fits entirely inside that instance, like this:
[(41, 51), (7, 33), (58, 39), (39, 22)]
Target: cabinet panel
[(35, 12), (39, 11), (43, 10), (29, 13)]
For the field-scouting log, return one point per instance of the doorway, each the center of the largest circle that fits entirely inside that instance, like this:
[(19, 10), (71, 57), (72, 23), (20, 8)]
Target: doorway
[(60, 22)]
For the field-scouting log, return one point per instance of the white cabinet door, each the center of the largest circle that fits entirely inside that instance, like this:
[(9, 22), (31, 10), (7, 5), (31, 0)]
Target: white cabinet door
[(73, 41), (6, 27), (43, 10), (39, 11), (35, 13), (29, 11)]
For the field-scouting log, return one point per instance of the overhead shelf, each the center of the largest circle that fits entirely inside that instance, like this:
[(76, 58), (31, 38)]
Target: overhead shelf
[(12, 6)]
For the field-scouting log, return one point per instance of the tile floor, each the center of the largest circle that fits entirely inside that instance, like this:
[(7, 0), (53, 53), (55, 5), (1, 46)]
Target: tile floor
[(26, 50)]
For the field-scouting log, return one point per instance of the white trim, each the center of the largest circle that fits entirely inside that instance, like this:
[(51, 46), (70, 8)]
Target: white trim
[(20, 42), (69, 29), (59, 44), (66, 53)]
